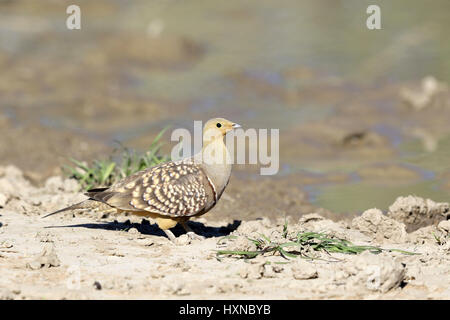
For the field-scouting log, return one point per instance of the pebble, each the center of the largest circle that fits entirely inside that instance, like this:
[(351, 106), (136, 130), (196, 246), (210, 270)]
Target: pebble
[(304, 271), (444, 226), (183, 240), (97, 285)]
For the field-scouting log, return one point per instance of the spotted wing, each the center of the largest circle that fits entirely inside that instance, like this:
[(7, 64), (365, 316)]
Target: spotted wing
[(173, 189)]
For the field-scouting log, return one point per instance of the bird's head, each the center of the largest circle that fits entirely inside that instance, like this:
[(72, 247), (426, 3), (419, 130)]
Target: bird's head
[(218, 127)]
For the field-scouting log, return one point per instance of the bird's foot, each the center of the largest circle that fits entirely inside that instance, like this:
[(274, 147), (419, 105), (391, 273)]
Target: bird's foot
[(187, 238), (190, 233), (193, 236)]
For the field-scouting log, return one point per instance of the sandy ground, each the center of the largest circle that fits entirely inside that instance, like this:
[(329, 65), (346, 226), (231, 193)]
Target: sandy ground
[(91, 255), (343, 131)]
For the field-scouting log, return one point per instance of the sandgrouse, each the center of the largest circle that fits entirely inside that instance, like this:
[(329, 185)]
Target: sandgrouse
[(174, 191)]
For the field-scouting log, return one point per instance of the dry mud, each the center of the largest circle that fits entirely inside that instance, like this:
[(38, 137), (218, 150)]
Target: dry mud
[(90, 255)]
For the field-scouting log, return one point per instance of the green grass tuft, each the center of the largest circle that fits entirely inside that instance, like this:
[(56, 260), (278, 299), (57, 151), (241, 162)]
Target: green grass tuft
[(103, 173), (302, 244)]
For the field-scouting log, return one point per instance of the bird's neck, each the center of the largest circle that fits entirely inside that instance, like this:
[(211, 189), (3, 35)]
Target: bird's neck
[(216, 161), (215, 152)]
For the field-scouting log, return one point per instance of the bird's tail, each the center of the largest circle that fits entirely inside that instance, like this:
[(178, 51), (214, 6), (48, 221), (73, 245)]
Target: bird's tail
[(80, 205)]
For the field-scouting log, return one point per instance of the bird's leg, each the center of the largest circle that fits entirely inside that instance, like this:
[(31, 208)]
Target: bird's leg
[(170, 235), (190, 233), (165, 224)]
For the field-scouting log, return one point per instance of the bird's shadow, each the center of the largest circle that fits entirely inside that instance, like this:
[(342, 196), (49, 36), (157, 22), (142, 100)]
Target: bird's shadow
[(145, 227)]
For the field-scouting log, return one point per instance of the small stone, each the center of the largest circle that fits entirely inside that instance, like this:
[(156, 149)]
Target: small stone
[(133, 231), (444, 226), (97, 285), (183, 240), (304, 271)]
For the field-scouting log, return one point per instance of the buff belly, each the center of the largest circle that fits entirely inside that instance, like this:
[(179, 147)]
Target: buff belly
[(163, 222)]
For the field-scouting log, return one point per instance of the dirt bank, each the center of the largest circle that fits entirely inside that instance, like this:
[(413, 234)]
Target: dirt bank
[(91, 255)]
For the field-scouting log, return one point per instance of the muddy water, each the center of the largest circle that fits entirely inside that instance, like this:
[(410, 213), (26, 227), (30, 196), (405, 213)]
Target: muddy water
[(311, 69)]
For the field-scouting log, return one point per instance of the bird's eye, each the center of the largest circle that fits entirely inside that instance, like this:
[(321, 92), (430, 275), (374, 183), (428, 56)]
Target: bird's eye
[(218, 125)]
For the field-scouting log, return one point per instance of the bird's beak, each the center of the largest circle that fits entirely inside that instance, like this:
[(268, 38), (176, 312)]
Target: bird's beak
[(235, 126)]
